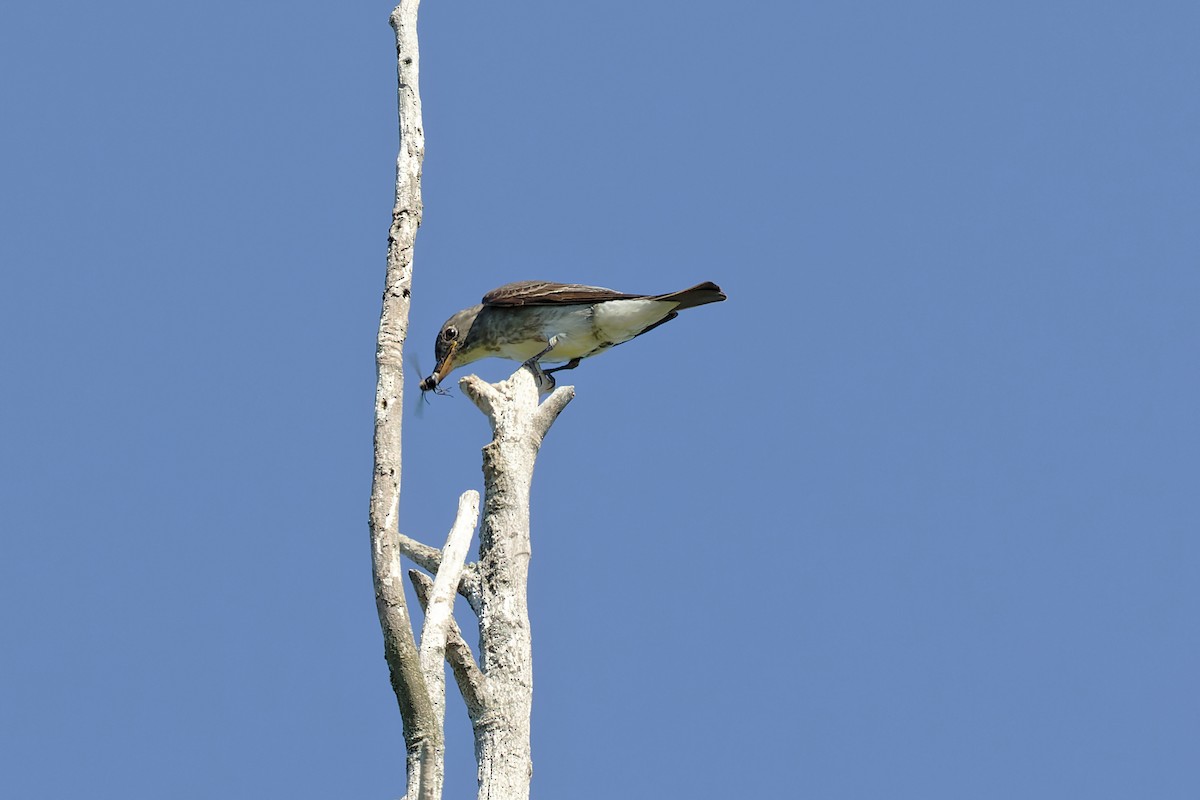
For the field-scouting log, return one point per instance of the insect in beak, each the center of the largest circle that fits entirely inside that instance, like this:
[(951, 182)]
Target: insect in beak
[(430, 384)]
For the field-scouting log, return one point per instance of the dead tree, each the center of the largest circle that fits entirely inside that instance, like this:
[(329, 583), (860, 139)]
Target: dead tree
[(498, 690)]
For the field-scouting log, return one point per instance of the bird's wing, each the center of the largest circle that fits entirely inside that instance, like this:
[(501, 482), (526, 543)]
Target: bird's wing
[(545, 293)]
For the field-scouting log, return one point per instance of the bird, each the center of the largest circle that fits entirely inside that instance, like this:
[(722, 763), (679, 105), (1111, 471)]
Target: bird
[(542, 321)]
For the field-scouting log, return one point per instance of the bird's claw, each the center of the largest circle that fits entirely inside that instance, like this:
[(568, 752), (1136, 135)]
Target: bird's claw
[(543, 378)]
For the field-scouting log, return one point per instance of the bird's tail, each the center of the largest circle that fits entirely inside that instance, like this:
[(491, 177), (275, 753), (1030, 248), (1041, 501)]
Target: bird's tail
[(698, 295)]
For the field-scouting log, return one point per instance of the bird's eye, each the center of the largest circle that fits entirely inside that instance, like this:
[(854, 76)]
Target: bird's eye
[(450, 333)]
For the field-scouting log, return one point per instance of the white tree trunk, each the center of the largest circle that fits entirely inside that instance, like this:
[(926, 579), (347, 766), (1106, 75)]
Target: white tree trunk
[(421, 731), (502, 728), (499, 690)]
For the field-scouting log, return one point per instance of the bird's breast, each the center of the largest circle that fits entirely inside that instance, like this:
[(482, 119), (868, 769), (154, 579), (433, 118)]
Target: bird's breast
[(582, 330)]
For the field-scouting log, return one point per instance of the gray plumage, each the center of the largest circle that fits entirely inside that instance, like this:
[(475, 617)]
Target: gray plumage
[(545, 322)]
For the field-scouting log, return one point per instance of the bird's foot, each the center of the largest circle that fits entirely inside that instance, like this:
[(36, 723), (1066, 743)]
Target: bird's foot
[(572, 364), (543, 378)]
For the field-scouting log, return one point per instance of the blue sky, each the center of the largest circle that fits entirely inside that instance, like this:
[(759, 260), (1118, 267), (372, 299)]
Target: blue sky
[(913, 515)]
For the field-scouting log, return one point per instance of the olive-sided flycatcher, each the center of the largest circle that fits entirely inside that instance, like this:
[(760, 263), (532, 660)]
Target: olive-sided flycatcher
[(538, 321)]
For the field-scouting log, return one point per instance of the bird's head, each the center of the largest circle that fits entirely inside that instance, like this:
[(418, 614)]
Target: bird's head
[(451, 348)]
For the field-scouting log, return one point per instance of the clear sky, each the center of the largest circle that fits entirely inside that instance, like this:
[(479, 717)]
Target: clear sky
[(914, 514)]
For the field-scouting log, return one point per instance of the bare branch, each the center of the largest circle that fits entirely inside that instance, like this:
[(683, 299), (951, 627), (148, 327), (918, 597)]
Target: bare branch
[(439, 610), (481, 393), (438, 616), (551, 407), (419, 553), (470, 680), (430, 559), (400, 651)]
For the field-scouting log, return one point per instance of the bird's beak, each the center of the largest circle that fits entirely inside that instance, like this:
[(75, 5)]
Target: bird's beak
[(443, 369)]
